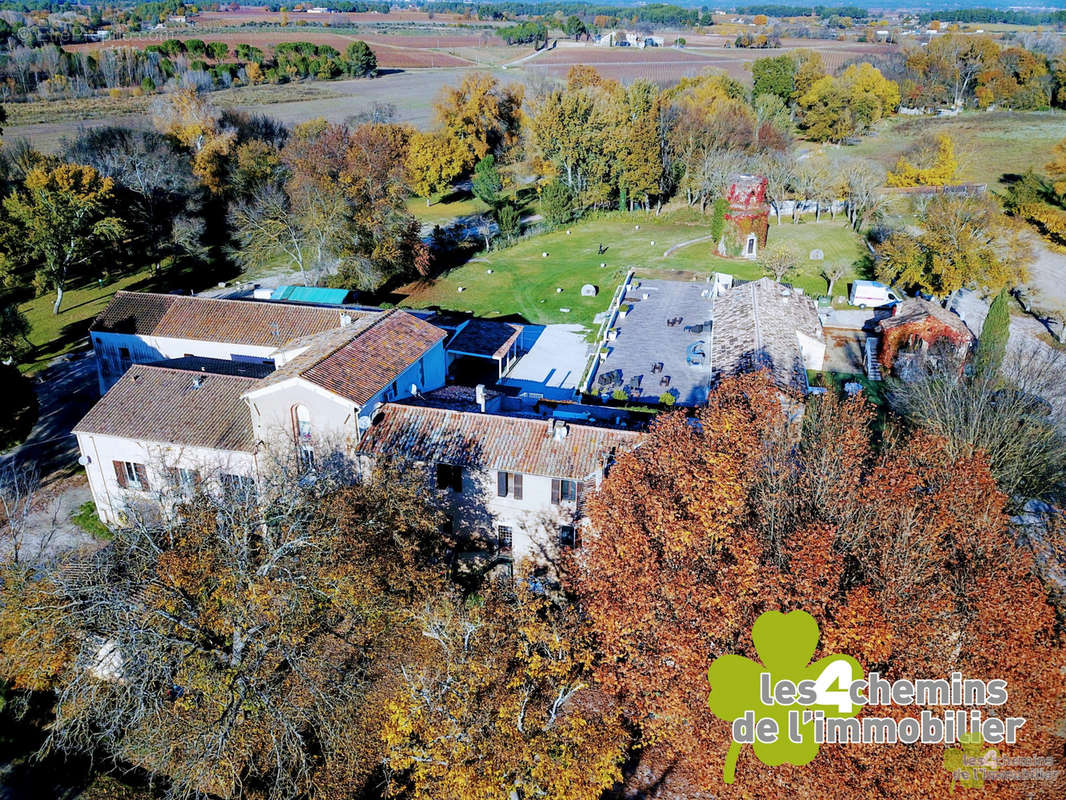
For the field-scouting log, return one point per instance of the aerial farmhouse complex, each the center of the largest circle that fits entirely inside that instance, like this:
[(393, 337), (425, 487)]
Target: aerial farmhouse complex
[(507, 424)]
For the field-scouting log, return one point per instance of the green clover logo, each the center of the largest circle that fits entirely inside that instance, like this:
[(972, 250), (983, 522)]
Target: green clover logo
[(785, 644), (967, 764)]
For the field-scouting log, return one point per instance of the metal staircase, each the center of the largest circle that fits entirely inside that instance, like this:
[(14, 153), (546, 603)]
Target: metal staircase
[(873, 366)]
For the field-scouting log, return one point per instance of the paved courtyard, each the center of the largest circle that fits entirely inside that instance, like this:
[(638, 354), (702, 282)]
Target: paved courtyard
[(669, 320)]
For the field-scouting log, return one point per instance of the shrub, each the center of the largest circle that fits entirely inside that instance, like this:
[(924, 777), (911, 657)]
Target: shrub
[(86, 519), (992, 344)]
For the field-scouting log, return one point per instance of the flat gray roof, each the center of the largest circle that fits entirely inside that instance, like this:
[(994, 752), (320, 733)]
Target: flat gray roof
[(554, 362), (645, 340)]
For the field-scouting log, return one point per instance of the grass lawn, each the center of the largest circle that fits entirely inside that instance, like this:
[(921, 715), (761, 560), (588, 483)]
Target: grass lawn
[(460, 203), (445, 209), (523, 282), (54, 335), (988, 145)]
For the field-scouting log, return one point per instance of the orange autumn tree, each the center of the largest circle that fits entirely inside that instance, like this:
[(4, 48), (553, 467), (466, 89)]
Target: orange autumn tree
[(903, 556)]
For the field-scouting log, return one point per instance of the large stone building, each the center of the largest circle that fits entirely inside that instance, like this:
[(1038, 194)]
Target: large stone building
[(219, 393)]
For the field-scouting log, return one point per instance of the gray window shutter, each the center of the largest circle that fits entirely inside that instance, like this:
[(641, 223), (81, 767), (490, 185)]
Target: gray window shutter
[(517, 485), (457, 479), (556, 491), (120, 473), (501, 484), (142, 476)]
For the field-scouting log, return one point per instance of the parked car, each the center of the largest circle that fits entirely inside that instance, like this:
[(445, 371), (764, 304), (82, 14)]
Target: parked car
[(873, 293)]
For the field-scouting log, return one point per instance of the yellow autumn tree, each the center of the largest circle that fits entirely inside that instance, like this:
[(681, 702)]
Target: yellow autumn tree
[(482, 115), (928, 166), (196, 123), (434, 160), (500, 704), (254, 73), (1056, 167), (62, 221)]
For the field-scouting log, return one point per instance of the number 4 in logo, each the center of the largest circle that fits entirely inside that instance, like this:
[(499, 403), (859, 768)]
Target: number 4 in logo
[(831, 687)]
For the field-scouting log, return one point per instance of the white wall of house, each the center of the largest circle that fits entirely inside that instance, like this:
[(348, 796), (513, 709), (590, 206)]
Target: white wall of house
[(156, 458), (333, 420), (478, 511), (112, 363), (813, 351)]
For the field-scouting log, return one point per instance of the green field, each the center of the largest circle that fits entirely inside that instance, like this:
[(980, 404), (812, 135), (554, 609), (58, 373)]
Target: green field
[(55, 334), (444, 211), (989, 146), (523, 282)]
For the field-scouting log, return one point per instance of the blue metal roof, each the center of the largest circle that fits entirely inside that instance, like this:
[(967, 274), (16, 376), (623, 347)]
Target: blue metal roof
[(310, 294)]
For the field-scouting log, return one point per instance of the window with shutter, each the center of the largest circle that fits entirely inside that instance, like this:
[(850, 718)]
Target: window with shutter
[(131, 475), (517, 488), (567, 537), (501, 484), (188, 480), (120, 473), (142, 477)]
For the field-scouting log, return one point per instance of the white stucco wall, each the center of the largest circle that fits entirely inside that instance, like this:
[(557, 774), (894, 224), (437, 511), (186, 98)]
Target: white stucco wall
[(110, 497), (144, 349), (813, 351), (478, 511), (333, 419)]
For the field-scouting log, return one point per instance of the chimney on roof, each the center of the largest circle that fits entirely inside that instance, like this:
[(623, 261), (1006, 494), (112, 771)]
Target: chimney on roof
[(346, 319), (197, 382), (560, 429), (479, 396)]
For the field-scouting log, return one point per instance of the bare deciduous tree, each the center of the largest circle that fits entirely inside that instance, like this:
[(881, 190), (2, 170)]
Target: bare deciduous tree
[(1011, 416)]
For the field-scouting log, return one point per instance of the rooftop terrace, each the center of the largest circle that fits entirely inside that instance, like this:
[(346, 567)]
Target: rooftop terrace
[(661, 344)]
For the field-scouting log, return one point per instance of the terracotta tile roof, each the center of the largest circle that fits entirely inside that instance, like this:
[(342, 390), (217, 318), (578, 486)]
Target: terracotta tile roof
[(754, 327), (358, 361), (156, 404), (492, 441), (211, 319), (485, 337)]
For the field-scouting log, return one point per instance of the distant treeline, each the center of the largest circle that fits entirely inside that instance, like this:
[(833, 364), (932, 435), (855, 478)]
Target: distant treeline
[(855, 12), (655, 13), (995, 15), (158, 8), (345, 7)]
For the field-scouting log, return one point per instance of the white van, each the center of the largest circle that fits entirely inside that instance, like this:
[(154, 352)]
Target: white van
[(872, 293)]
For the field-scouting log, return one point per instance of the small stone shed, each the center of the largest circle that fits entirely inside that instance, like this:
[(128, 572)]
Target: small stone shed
[(915, 326)]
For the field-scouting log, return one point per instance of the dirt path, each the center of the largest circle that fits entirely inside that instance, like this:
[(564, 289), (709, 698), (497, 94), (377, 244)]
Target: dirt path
[(1047, 276), (686, 244)]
